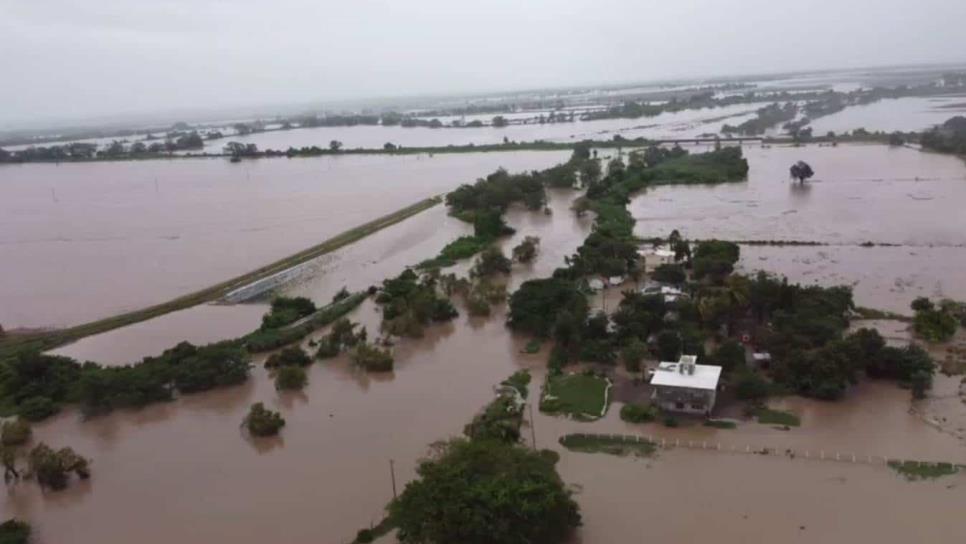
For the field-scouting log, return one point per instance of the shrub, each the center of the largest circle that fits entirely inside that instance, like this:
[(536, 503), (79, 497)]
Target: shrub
[(638, 413), (290, 377), (37, 408), (14, 531), (669, 273), (52, 468), (751, 386), (633, 354), (526, 250), (15, 432), (290, 356), (261, 421), (372, 358)]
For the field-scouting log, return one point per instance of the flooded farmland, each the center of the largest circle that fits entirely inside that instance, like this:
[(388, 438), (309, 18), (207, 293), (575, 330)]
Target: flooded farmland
[(84, 241)]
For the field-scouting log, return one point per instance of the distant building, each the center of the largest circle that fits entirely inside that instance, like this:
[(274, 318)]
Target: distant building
[(686, 386), (596, 284), (670, 293), (615, 280)]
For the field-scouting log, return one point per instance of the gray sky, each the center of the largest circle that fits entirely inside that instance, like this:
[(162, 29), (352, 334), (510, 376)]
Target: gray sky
[(70, 59)]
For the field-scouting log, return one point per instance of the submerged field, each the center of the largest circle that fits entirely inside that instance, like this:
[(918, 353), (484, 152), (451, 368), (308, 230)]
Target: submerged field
[(184, 471)]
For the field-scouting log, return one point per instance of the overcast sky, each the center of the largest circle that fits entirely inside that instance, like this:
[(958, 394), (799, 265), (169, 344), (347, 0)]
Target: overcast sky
[(75, 59)]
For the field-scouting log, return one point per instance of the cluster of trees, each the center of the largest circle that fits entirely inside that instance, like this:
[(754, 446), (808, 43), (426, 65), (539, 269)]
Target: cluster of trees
[(526, 250), (937, 323), (950, 137), (487, 487), (261, 421), (35, 385), (372, 358), (410, 302), (14, 531), (288, 365), (497, 191), (287, 310), (176, 141), (767, 117), (342, 335)]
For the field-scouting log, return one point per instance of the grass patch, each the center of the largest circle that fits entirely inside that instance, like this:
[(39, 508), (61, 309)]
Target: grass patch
[(767, 416), (720, 424), (519, 381), (611, 445), (638, 413), (463, 247), (533, 346), (914, 470), (582, 396)]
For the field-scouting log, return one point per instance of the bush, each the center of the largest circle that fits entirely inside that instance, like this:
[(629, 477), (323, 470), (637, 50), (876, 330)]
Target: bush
[(526, 250), (633, 354), (638, 413), (286, 310), (535, 306), (15, 432), (730, 355), (290, 356), (751, 386), (52, 468), (37, 408), (372, 358), (669, 273), (261, 421), (14, 531), (290, 377), (491, 261)]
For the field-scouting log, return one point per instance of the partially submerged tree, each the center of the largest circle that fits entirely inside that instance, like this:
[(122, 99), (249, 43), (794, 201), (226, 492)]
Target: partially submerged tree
[(261, 421), (801, 171), (52, 468)]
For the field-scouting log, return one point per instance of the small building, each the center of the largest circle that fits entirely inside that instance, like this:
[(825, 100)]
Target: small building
[(668, 292), (596, 284), (686, 386), (614, 281)]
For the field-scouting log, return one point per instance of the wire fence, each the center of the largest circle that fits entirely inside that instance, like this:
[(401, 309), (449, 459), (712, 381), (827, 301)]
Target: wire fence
[(791, 453)]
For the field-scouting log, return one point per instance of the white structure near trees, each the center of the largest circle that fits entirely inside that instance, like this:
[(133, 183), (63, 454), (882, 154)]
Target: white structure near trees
[(686, 386)]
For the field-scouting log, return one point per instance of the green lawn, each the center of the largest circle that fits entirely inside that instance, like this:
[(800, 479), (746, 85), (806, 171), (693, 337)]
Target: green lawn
[(720, 424), (767, 416), (913, 470), (606, 444), (577, 395)]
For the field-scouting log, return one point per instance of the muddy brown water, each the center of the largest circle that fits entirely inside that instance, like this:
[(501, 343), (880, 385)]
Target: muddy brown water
[(860, 193), (85, 241)]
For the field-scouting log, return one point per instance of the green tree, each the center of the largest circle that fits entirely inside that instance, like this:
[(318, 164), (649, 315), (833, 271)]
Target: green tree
[(801, 171), (290, 377), (523, 253), (14, 531), (491, 261), (335, 145), (482, 492), (261, 421), (14, 432), (633, 354), (52, 468)]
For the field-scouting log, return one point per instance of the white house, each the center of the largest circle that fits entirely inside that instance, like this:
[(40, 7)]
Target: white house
[(686, 386), (596, 284)]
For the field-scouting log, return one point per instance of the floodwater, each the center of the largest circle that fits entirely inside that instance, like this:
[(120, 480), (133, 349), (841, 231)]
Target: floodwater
[(908, 114), (885, 278), (184, 471), (682, 124), (84, 241), (860, 193), (202, 324)]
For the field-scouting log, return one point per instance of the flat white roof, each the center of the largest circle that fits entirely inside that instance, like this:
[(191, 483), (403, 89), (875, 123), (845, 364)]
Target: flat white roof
[(704, 377)]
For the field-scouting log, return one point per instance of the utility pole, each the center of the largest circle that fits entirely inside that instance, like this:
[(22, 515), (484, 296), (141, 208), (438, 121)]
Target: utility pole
[(392, 474), (533, 428)]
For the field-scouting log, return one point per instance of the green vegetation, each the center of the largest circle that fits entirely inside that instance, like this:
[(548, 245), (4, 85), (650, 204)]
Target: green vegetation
[(934, 324), (638, 413), (491, 261), (342, 336), (768, 116), (583, 396), (950, 137), (767, 416), (499, 421), (633, 354), (261, 421), (372, 358), (526, 250), (52, 468), (484, 491), (290, 378), (669, 273), (720, 424), (916, 470), (612, 445), (268, 339), (715, 260), (286, 311), (538, 304), (801, 171), (35, 385), (14, 531), (290, 356), (533, 346), (12, 345), (409, 303), (519, 380), (14, 432)]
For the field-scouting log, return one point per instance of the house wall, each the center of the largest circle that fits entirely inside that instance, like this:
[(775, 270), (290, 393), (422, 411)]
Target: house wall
[(684, 399)]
